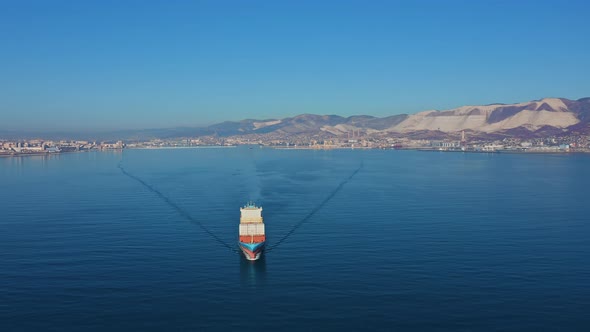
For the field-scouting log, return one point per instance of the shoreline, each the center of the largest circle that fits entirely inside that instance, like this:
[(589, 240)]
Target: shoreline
[(536, 152), (437, 150), (506, 151), (32, 154), (181, 147)]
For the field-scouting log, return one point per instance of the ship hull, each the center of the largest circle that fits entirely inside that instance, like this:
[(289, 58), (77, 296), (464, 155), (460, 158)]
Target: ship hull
[(252, 251)]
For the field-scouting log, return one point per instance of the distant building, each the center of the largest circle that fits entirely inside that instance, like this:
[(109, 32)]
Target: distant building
[(445, 144), (492, 147)]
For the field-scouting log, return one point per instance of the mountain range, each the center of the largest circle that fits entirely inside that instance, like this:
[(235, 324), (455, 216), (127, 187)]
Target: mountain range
[(548, 116)]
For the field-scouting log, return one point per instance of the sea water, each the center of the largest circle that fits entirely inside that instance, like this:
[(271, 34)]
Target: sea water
[(361, 240)]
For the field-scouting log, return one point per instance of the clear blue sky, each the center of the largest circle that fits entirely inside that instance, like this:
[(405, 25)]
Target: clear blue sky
[(136, 64)]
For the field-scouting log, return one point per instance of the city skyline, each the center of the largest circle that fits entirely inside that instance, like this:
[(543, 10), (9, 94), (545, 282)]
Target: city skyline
[(93, 66)]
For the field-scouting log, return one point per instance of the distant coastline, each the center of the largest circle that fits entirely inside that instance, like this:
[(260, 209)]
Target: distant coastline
[(439, 150), (316, 148), (182, 147), (32, 154)]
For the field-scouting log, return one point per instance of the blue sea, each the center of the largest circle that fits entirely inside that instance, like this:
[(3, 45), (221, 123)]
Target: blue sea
[(374, 240)]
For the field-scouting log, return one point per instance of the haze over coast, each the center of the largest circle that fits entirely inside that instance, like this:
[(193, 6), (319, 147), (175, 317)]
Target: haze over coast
[(547, 116)]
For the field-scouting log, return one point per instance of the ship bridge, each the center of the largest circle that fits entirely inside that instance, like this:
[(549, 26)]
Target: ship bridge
[(250, 213)]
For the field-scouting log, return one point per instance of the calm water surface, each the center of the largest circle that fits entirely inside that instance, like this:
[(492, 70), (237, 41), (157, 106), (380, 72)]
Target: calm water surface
[(413, 241)]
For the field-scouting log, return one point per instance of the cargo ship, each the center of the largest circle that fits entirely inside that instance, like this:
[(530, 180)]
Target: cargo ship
[(252, 236)]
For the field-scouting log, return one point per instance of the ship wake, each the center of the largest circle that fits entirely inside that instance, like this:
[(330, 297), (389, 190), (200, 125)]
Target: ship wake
[(219, 240), (177, 208), (314, 211)]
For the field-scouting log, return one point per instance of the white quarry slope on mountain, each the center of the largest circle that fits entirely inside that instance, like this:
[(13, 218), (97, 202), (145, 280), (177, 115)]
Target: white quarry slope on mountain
[(341, 129), (533, 120), (413, 122), (555, 103), (444, 123), (546, 112), (262, 124)]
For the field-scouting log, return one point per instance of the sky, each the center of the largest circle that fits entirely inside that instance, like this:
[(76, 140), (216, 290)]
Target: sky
[(96, 65)]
